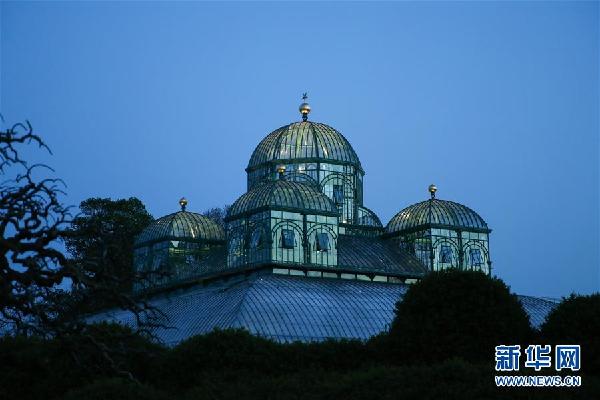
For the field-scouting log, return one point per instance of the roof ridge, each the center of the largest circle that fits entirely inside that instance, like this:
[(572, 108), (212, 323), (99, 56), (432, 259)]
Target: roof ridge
[(236, 315)]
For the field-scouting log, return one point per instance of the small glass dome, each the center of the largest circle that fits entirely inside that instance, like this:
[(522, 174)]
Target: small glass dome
[(283, 195), (304, 140), (182, 225), (438, 214)]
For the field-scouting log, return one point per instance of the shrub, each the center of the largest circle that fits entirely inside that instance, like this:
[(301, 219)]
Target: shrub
[(576, 320), (456, 313), (35, 368), (115, 389), (221, 355)]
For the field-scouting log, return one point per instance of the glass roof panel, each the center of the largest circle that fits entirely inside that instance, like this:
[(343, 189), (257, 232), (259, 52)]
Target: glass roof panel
[(304, 139), (283, 194), (436, 212), (286, 309), (182, 225)]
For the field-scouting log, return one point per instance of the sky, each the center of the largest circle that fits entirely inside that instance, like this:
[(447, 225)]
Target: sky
[(497, 103)]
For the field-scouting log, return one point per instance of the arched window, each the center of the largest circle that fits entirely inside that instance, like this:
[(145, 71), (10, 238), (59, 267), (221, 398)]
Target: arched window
[(475, 257), (257, 239), (288, 238), (322, 241), (446, 254)]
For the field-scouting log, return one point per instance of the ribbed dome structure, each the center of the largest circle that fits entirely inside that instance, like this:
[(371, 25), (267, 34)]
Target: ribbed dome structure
[(282, 195), (304, 140), (437, 213), (182, 225)]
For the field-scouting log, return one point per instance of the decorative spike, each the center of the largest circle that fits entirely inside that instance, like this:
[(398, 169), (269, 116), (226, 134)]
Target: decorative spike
[(304, 107), (183, 203), (432, 190)]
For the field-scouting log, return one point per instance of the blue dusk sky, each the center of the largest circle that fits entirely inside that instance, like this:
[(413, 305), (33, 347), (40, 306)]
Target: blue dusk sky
[(495, 102)]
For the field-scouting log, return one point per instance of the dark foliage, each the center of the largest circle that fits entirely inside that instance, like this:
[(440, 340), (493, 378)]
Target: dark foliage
[(105, 349), (220, 355), (329, 355), (225, 355), (35, 275), (235, 365), (101, 240), (115, 389), (217, 214), (456, 314), (33, 368), (449, 380), (32, 219), (576, 320)]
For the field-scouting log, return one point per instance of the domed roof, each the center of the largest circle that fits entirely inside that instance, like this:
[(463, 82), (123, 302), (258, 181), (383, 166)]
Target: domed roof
[(438, 214), (303, 141), (182, 225), (284, 195)]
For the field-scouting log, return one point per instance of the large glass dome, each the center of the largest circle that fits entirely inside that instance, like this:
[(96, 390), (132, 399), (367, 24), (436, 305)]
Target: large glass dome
[(283, 195), (437, 213), (316, 152), (304, 141)]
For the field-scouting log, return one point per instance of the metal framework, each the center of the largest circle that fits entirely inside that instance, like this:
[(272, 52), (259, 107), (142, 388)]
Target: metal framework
[(281, 221), (442, 234), (284, 195), (315, 151), (176, 247), (303, 213)]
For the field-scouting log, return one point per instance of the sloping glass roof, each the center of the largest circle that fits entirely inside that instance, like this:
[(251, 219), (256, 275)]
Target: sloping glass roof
[(287, 309), (374, 255), (368, 217), (212, 263), (537, 308), (284, 195), (436, 213), (182, 225), (304, 140)]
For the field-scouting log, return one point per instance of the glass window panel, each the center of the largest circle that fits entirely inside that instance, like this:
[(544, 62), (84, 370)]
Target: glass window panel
[(288, 238), (257, 239), (322, 242), (281, 271), (338, 194), (475, 257), (445, 254)]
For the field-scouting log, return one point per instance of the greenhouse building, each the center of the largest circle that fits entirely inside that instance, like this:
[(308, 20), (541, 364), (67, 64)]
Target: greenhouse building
[(299, 255)]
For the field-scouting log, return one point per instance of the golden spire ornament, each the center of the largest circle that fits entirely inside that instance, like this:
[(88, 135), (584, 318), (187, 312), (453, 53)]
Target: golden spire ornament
[(432, 189), (304, 107), (183, 203)]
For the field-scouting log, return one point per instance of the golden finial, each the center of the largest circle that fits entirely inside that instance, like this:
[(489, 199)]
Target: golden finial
[(304, 107), (183, 202), (432, 190), (281, 170)]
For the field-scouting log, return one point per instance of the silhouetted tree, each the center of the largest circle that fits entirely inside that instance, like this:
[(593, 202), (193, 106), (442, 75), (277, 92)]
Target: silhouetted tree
[(36, 368), (456, 313), (576, 320), (217, 214), (101, 240), (32, 219), (115, 389), (41, 290)]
